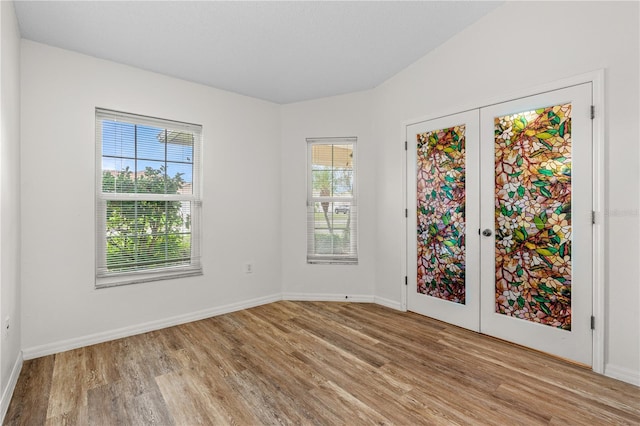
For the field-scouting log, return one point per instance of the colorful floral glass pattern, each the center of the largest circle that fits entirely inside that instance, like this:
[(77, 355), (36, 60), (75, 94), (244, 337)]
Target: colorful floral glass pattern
[(533, 215), (441, 213)]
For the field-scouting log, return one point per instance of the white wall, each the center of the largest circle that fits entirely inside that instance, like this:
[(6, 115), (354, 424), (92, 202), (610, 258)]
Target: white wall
[(10, 358), (241, 221), (347, 115), (522, 45)]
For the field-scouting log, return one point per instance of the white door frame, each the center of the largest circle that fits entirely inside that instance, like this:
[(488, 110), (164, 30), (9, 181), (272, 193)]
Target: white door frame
[(599, 202)]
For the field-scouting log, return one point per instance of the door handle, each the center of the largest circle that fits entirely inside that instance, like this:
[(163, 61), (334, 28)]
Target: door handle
[(486, 232)]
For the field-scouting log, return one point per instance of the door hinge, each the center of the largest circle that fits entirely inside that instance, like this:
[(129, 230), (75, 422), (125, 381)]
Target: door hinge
[(593, 217), (406, 145), (593, 322), (406, 212), (593, 112), (406, 280)]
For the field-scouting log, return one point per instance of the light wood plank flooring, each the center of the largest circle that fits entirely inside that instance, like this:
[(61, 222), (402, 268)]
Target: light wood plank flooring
[(315, 363)]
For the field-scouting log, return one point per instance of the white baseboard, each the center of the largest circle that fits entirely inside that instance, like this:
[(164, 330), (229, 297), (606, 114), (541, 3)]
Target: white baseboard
[(388, 303), (622, 373), (92, 339), (328, 297), (7, 392)]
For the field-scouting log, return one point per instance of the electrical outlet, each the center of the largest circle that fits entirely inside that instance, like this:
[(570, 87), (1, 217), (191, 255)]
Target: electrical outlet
[(248, 268), (5, 326)]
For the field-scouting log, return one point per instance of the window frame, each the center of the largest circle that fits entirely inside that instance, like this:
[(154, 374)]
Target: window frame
[(105, 279), (350, 258)]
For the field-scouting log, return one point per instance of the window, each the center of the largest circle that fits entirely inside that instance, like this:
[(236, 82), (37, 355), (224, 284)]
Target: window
[(331, 201), (147, 198)]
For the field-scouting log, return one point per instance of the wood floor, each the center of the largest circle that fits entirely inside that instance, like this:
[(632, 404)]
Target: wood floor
[(314, 363)]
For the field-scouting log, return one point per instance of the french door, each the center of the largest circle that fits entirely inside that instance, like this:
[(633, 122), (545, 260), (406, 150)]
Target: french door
[(499, 229), (444, 246)]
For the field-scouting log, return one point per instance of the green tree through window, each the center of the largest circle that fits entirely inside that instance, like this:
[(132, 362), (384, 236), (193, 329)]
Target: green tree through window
[(147, 233)]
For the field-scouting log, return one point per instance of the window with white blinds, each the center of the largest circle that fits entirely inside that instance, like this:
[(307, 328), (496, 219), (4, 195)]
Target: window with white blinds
[(332, 213), (147, 198)]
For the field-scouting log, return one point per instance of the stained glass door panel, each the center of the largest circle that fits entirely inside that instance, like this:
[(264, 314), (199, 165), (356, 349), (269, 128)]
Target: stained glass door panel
[(533, 215), (536, 274), (441, 213), (443, 276)]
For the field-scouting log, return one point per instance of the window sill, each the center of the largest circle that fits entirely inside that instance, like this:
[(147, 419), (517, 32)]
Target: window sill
[(332, 261), (115, 280)]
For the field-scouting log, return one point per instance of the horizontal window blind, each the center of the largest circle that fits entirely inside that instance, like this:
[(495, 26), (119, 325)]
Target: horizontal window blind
[(332, 211), (148, 198)]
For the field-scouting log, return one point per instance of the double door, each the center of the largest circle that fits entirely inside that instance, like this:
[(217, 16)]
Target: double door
[(500, 221)]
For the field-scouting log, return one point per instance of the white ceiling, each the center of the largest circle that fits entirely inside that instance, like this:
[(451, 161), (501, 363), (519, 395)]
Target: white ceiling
[(278, 51)]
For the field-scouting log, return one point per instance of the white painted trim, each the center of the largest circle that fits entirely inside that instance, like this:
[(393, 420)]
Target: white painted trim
[(389, 303), (587, 77), (7, 393), (622, 374), (92, 339), (599, 229), (328, 297), (404, 248), (597, 78)]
